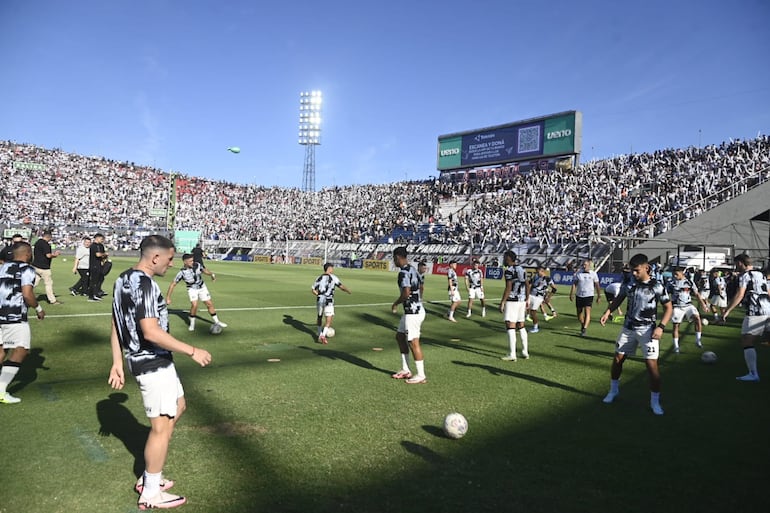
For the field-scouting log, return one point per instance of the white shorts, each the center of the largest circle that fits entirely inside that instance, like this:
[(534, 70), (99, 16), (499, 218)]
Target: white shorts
[(629, 339), (201, 294), (535, 302), (684, 312), (475, 293), (454, 296), (16, 334), (410, 324), (160, 392), (755, 325), (324, 309), (515, 311), (718, 301)]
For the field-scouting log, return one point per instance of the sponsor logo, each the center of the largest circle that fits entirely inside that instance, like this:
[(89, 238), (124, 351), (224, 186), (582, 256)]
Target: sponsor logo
[(558, 134), (449, 152), (311, 261), (377, 265), (262, 259), (495, 273), (481, 137)]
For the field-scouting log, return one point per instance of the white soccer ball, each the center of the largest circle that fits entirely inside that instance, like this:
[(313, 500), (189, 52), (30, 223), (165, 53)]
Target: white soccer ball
[(455, 425), (63, 259), (215, 329), (330, 332), (705, 322), (708, 357)]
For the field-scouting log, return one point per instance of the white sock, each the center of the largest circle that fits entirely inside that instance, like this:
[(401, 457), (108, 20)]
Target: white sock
[(524, 340), (192, 321), (405, 362), (216, 318), (676, 343), (323, 331), (151, 484), (697, 336), (749, 354), (614, 386), (7, 374), (512, 341), (420, 364)]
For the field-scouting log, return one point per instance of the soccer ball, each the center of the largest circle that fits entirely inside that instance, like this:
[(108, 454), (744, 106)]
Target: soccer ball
[(708, 357), (455, 425), (215, 329), (705, 322), (330, 332)]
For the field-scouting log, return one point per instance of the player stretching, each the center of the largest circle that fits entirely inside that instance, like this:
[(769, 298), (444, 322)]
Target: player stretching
[(474, 283), (514, 305), (753, 291), (584, 283), (192, 273), (454, 292), (644, 294), (323, 289), (408, 333)]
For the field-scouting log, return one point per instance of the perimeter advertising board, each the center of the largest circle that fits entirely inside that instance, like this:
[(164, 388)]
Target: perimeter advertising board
[(558, 134)]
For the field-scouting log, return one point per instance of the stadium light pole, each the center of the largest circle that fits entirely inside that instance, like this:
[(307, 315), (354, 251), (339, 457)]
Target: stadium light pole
[(309, 133)]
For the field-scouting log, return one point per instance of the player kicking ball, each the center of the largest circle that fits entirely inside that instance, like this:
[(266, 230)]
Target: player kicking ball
[(192, 274)]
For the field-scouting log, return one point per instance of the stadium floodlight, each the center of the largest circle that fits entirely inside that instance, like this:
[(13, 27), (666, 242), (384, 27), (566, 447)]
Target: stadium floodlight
[(310, 103)]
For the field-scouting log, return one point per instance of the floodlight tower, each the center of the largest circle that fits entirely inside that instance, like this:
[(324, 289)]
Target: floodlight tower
[(309, 134)]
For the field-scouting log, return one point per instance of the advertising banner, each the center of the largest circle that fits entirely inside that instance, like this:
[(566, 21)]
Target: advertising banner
[(377, 265), (312, 261), (262, 259), (565, 278)]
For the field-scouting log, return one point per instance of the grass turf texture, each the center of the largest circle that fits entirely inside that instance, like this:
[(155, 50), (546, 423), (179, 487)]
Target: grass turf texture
[(327, 429)]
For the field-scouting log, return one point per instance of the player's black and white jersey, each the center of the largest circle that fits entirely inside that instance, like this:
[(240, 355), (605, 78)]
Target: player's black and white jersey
[(681, 292), (136, 296), (474, 277), (325, 285), (518, 278), (409, 277), (643, 300), (422, 284), (13, 276), (192, 276), (540, 285), (718, 287), (451, 275), (755, 299)]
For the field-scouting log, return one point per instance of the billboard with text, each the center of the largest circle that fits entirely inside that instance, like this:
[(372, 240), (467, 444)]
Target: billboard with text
[(557, 134)]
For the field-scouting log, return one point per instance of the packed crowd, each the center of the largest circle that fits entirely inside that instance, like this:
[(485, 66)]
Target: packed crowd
[(629, 195)]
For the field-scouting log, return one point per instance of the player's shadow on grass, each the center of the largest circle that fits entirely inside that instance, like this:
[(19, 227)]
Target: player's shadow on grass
[(346, 357), (117, 420), (391, 323), (604, 355), (460, 346), (299, 326), (540, 381), (28, 371), (423, 452)]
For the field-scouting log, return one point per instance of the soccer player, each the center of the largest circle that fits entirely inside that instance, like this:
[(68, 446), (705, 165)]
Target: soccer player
[(17, 281), (547, 301), (718, 296), (408, 333), (422, 267), (644, 294), (513, 305), (454, 292), (97, 257), (323, 289), (681, 290), (585, 282), (474, 283), (753, 292), (192, 273), (6, 254), (540, 284), (140, 330)]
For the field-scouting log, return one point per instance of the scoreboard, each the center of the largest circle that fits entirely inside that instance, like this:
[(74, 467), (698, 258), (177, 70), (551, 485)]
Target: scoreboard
[(548, 136)]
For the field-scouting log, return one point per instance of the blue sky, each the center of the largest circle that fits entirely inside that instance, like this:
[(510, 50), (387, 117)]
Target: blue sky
[(175, 83)]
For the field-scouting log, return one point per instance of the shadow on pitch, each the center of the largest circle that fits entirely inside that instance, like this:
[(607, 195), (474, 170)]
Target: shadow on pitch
[(345, 357), (423, 452), (300, 326), (115, 419), (534, 379), (28, 370)]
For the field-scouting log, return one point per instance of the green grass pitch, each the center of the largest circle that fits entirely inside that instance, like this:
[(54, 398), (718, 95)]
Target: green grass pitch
[(326, 429)]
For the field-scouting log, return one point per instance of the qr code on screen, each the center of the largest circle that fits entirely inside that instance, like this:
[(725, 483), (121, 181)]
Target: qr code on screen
[(529, 139)]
